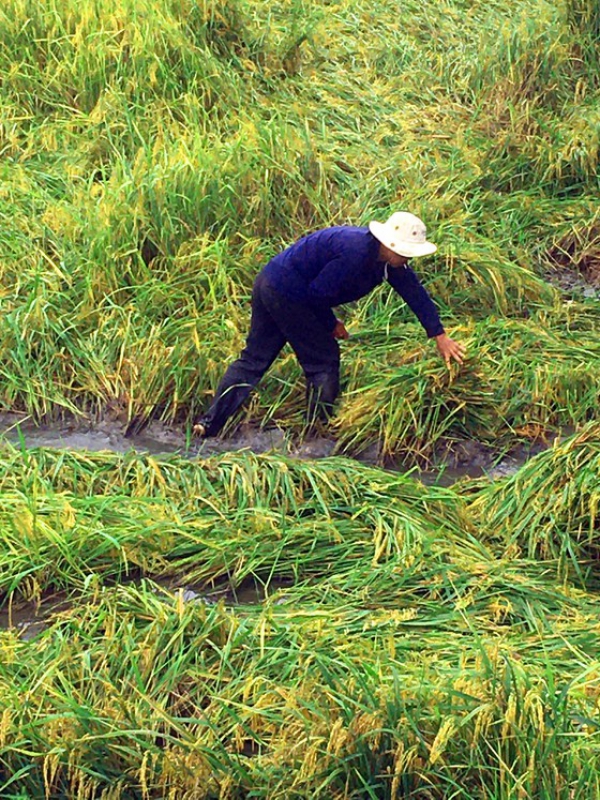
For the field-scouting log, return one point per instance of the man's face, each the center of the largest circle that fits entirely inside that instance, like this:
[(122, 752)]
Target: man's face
[(385, 254)]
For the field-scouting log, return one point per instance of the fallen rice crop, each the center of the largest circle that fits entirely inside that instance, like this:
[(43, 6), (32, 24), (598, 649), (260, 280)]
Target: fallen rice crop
[(403, 640), (395, 648)]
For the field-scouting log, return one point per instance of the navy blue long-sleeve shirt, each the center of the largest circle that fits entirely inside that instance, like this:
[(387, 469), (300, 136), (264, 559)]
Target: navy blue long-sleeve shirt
[(340, 264)]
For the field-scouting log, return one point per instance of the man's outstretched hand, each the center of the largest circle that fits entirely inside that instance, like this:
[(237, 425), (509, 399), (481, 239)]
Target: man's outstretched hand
[(448, 349), (340, 332)]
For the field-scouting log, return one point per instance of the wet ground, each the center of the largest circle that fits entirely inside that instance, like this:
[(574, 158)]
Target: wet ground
[(576, 283), (30, 619), (456, 459)]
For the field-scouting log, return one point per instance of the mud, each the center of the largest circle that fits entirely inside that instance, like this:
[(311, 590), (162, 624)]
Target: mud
[(575, 283), (250, 592), (31, 619), (454, 460)]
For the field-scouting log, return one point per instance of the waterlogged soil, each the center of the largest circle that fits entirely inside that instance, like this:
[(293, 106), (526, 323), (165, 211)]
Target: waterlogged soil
[(456, 459), (576, 283), (32, 618)]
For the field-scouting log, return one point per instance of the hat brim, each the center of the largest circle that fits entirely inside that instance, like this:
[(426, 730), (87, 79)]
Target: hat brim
[(408, 249)]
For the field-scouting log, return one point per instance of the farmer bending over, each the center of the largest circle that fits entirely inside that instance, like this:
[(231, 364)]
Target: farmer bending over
[(292, 301)]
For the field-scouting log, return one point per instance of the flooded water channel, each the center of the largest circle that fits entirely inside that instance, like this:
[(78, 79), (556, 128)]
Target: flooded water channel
[(459, 460), (29, 619)]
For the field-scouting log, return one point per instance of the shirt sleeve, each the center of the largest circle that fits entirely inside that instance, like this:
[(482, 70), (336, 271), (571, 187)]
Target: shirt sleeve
[(326, 315), (410, 289)]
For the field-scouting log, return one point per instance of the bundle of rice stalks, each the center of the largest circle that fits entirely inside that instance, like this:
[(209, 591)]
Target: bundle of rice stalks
[(548, 509), (235, 481), (516, 375), (225, 519), (583, 17)]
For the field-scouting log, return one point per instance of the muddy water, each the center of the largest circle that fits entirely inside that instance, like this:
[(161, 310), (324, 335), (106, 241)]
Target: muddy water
[(575, 283), (30, 619), (463, 459), (157, 438), (26, 620)]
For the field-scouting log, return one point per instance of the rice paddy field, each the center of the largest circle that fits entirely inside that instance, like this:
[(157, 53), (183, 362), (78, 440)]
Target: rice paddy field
[(252, 625)]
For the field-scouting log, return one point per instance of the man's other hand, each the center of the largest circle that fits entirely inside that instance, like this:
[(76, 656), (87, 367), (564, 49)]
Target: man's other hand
[(448, 349), (340, 332)]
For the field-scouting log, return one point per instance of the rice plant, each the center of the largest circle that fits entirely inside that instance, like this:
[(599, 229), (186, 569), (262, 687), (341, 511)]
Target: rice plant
[(402, 640), (549, 508)]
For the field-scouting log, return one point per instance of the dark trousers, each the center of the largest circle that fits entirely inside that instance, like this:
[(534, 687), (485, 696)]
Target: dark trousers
[(275, 321)]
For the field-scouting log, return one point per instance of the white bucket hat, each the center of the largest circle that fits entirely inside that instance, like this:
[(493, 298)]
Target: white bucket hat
[(403, 234)]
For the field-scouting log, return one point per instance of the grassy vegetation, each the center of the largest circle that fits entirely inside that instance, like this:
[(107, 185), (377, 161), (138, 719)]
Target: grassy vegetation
[(155, 154), (403, 657), (413, 641)]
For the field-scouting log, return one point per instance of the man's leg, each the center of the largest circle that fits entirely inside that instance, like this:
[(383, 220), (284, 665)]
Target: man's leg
[(263, 344), (322, 389), (316, 349)]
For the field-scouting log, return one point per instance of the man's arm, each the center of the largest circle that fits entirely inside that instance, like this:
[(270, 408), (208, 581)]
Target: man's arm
[(410, 288)]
